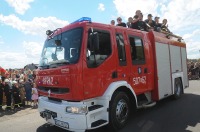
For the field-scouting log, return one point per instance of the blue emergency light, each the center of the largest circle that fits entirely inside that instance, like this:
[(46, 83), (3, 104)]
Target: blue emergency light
[(83, 19)]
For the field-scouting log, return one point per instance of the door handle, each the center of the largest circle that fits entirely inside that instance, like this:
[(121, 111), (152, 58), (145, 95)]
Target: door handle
[(114, 74), (145, 70)]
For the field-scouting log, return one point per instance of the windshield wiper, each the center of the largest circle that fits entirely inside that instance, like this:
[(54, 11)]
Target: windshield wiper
[(57, 63)]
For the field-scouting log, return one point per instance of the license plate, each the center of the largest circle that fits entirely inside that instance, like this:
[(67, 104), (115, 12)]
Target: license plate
[(61, 124)]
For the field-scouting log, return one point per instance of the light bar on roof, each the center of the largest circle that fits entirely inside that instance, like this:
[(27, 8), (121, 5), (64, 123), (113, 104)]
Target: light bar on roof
[(83, 19)]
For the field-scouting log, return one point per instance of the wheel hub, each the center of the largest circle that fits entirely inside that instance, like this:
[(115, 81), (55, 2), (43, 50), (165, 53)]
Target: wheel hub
[(122, 111)]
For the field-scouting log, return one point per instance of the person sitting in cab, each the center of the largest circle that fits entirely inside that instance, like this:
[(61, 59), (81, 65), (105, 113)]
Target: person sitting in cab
[(74, 55)]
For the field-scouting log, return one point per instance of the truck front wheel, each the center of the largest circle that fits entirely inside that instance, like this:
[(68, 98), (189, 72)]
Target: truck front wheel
[(119, 110)]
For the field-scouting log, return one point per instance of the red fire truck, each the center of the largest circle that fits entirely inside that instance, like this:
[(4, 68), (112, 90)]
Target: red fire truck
[(93, 74)]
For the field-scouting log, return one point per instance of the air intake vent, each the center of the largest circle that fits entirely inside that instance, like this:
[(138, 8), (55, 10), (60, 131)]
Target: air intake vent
[(54, 90)]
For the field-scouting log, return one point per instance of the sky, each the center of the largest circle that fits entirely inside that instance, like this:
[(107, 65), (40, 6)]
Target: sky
[(23, 23)]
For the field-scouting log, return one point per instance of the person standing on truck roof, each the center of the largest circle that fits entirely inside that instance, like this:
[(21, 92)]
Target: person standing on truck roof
[(112, 22), (157, 24), (120, 23), (141, 24), (150, 22), (130, 21), (136, 17), (164, 26), (134, 24), (138, 22)]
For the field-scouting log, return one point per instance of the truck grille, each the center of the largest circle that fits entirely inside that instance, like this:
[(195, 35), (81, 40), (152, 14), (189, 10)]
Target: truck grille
[(54, 90)]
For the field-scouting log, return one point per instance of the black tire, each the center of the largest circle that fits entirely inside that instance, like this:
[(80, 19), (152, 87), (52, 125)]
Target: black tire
[(119, 111), (178, 88)]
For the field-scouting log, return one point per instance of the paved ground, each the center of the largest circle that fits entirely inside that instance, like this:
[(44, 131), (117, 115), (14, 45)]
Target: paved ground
[(182, 115)]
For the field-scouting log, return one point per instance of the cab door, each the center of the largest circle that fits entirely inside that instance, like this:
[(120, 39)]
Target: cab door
[(122, 63), (99, 67), (139, 67)]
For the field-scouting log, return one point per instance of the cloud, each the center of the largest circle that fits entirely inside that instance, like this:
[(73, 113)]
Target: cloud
[(101, 7), (184, 17), (193, 48), (193, 44), (29, 54), (37, 26), (32, 49), (127, 8), (195, 33), (12, 60), (20, 6)]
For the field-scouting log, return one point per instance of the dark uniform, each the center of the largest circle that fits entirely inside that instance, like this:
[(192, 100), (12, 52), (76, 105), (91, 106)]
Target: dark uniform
[(16, 97), (22, 94), (1, 95), (8, 94)]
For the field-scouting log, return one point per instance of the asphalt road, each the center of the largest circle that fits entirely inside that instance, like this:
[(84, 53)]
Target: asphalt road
[(182, 115)]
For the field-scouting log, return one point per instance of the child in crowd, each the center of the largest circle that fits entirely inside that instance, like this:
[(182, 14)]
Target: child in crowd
[(34, 95)]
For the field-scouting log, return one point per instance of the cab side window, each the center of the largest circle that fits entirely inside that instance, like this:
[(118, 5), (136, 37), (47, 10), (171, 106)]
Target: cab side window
[(137, 50), (97, 57), (121, 50)]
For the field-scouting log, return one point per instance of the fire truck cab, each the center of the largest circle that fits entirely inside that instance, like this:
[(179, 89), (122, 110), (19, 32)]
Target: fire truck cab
[(93, 74)]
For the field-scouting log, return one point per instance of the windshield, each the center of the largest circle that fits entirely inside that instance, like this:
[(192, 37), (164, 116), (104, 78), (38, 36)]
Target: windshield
[(67, 52)]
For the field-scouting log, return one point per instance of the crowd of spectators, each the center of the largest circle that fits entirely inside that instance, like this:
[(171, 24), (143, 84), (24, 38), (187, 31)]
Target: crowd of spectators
[(17, 89), (193, 70), (137, 22)]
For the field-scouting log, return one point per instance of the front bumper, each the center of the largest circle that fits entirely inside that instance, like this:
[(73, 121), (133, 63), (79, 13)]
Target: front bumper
[(55, 113)]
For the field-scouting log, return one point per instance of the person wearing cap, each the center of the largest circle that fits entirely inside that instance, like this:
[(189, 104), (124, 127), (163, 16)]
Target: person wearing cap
[(16, 96), (150, 22), (120, 23), (8, 94), (157, 24)]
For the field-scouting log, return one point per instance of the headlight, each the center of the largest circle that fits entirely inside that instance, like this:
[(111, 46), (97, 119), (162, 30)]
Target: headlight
[(76, 109)]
